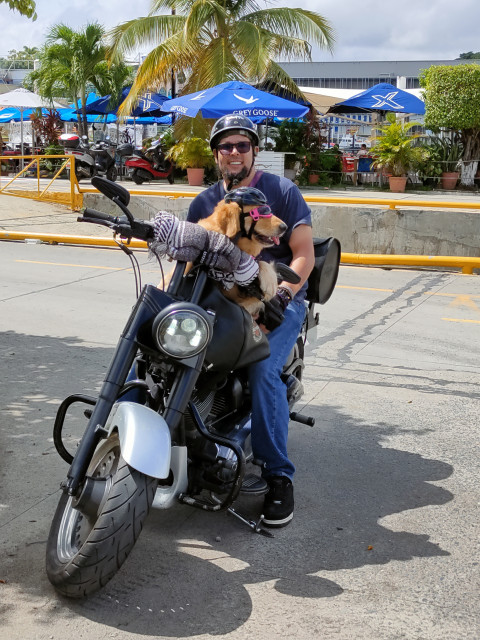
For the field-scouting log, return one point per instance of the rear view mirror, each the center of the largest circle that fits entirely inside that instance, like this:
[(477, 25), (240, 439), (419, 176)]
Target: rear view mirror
[(111, 189)]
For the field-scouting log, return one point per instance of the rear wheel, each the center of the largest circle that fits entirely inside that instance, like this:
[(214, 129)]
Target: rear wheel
[(87, 545), (112, 173), (80, 174), (137, 178)]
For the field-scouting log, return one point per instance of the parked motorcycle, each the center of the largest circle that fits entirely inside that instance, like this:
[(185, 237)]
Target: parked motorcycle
[(151, 165), (177, 428), (103, 153), (80, 148)]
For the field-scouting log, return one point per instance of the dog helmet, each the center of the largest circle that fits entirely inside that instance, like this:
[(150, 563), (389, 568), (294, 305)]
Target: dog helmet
[(233, 124), (246, 196), (249, 196)]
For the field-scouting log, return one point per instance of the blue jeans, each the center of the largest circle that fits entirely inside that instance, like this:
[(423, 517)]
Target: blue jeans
[(270, 412)]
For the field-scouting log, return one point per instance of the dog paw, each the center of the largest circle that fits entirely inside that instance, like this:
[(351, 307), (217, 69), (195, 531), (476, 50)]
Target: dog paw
[(267, 277)]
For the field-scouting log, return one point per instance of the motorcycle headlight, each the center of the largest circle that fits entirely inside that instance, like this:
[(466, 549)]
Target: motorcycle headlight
[(181, 333)]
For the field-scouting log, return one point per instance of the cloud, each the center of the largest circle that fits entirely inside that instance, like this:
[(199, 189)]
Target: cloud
[(367, 30)]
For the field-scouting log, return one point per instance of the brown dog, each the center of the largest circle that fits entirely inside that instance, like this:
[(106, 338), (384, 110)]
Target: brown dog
[(266, 233)]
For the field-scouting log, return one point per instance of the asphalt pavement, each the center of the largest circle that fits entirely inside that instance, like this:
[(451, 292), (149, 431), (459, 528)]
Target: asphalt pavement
[(385, 539)]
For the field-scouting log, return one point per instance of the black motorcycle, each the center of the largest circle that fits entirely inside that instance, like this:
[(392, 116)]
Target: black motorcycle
[(172, 420)]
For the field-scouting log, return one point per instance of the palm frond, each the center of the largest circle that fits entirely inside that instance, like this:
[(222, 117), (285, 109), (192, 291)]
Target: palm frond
[(206, 16), (299, 23), (217, 64), (277, 75), (126, 37)]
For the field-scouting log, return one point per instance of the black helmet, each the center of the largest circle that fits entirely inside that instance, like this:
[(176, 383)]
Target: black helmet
[(233, 124), (246, 195)]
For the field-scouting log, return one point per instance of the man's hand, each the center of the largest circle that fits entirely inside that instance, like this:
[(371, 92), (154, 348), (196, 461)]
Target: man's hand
[(273, 314)]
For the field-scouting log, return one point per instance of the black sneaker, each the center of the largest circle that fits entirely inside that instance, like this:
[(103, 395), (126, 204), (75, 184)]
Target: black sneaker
[(278, 506)]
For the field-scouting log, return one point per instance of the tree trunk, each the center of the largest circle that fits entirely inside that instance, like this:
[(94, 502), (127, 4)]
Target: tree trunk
[(83, 98), (469, 170), (471, 154)]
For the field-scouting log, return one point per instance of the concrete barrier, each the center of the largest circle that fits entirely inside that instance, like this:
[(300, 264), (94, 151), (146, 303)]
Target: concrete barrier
[(360, 229)]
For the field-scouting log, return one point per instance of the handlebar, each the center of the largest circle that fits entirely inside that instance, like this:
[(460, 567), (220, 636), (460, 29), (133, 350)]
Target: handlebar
[(141, 229), (93, 213)]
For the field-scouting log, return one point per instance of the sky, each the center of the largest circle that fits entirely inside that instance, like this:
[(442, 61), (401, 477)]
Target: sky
[(364, 30)]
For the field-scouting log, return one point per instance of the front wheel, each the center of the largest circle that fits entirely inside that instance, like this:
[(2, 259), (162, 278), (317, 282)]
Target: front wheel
[(86, 548)]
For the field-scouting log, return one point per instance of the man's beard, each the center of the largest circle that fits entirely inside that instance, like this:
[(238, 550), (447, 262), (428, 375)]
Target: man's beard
[(232, 178)]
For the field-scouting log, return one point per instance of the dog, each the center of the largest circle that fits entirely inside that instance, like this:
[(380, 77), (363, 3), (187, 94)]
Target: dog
[(259, 232)]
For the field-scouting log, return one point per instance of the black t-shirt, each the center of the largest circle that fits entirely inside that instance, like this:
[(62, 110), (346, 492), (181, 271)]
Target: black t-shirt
[(286, 203)]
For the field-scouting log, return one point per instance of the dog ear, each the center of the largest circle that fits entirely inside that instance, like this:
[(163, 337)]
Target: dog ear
[(229, 218)]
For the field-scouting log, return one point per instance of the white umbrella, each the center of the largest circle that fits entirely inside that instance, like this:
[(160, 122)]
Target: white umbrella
[(23, 99)]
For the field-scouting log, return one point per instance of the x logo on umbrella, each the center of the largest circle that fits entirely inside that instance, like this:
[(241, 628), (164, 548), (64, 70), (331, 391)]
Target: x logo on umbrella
[(387, 100)]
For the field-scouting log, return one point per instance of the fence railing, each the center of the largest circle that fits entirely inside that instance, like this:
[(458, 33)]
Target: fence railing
[(72, 197)]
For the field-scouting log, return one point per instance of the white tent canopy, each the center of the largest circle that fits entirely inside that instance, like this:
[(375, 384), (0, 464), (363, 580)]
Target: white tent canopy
[(23, 99)]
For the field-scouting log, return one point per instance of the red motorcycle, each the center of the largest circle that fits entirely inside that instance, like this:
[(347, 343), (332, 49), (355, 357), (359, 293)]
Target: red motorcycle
[(143, 167)]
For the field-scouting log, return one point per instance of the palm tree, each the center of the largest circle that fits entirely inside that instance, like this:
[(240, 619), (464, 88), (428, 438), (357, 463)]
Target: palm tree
[(213, 41), (69, 61)]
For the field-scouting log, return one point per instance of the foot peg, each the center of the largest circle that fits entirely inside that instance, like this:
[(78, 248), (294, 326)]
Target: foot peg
[(299, 417), (253, 485)]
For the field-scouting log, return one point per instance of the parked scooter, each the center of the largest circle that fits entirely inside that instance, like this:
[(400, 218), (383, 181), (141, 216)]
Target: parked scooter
[(80, 148), (151, 165), (178, 430)]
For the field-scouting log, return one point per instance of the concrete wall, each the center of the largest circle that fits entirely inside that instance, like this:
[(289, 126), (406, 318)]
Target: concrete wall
[(360, 229)]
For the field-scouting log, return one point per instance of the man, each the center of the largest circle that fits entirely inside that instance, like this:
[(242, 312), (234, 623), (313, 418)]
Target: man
[(234, 142)]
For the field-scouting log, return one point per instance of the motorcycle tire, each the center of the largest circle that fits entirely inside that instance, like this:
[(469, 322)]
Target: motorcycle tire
[(170, 178), (136, 178), (84, 554), (112, 174)]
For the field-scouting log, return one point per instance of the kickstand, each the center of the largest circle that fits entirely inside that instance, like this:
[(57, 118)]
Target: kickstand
[(256, 527)]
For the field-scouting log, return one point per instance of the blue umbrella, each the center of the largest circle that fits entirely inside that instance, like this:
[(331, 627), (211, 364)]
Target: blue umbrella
[(238, 98), (71, 115), (149, 104), (9, 114), (381, 97)]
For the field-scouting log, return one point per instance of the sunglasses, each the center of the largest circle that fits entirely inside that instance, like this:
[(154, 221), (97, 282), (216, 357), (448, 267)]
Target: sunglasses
[(227, 147)]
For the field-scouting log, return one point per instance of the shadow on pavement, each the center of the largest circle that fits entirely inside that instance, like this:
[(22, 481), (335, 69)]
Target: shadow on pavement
[(193, 572)]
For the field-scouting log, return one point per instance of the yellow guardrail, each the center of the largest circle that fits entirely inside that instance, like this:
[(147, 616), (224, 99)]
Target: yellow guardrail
[(393, 204), (72, 198), (466, 264), (57, 238)]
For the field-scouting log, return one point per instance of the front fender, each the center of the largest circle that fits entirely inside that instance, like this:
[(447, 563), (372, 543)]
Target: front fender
[(144, 437)]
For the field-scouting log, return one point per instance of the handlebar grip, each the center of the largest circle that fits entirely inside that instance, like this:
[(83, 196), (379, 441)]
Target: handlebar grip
[(93, 213)]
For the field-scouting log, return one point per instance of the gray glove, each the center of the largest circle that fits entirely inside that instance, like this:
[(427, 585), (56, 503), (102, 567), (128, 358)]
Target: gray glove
[(189, 242)]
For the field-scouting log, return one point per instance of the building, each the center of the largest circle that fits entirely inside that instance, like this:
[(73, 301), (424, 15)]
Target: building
[(325, 83), (363, 74)]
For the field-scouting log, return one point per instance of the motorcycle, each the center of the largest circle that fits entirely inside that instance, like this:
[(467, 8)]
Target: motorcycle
[(103, 153), (151, 165), (172, 421), (79, 147)]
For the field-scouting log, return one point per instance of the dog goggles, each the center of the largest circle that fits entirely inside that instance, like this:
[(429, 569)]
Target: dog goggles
[(263, 211)]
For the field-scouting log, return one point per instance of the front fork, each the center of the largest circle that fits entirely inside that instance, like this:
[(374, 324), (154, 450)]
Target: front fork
[(149, 303)]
